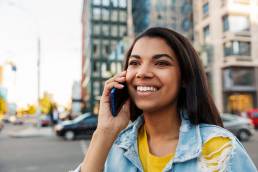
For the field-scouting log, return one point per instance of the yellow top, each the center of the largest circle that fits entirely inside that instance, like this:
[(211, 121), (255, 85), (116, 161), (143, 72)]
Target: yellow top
[(211, 151), (150, 163)]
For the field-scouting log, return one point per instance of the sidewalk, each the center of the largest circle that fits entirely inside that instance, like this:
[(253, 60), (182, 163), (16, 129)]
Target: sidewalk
[(32, 131)]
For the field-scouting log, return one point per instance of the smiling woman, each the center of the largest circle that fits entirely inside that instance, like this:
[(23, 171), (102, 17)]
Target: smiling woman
[(175, 123)]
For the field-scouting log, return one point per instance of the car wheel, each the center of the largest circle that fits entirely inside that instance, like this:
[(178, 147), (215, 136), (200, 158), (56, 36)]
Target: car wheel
[(243, 135), (69, 135)]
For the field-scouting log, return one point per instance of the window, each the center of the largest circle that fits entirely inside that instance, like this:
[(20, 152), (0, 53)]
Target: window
[(96, 13), (92, 120), (114, 3), (122, 3), (206, 32), (95, 48), (96, 2), (239, 77), (123, 16), (114, 31), (240, 48), (205, 9), (105, 14), (122, 31), (114, 15), (105, 2), (186, 8), (96, 29), (96, 87), (96, 45), (239, 102), (187, 24), (105, 47), (234, 23), (105, 30)]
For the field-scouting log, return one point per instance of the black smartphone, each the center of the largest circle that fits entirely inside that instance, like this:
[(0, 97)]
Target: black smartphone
[(117, 99)]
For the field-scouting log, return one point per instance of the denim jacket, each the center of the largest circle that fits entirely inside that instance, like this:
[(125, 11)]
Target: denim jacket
[(124, 157)]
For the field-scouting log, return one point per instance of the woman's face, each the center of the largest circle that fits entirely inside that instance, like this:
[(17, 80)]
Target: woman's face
[(153, 74)]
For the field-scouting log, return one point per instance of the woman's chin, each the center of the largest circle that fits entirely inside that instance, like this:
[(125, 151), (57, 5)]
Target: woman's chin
[(147, 107)]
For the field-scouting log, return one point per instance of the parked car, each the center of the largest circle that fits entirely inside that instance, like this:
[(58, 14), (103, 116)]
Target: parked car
[(83, 125), (253, 115), (242, 127), (45, 120)]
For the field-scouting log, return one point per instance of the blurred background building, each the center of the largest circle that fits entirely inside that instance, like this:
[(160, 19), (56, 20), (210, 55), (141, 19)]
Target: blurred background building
[(174, 14), (104, 25), (226, 36)]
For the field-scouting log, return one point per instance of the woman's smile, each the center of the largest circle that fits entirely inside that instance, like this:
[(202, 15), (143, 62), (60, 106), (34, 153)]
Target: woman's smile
[(146, 90)]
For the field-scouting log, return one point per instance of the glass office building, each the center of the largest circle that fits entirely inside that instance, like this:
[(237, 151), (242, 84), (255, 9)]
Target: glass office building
[(174, 14), (104, 26)]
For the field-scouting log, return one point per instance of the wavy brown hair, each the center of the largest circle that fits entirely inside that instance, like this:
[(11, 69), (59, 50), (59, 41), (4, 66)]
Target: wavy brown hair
[(194, 97)]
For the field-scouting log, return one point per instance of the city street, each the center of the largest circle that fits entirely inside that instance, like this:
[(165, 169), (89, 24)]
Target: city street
[(39, 154), (49, 153), (252, 148)]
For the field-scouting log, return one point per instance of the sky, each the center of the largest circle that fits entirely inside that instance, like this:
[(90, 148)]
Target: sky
[(57, 23)]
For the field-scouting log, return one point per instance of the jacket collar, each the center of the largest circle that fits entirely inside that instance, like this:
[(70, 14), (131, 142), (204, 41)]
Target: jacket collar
[(189, 143)]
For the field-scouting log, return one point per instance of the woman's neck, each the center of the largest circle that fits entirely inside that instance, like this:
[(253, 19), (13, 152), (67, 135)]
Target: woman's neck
[(162, 124)]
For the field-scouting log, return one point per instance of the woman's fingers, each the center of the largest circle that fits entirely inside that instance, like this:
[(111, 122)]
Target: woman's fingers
[(115, 82), (117, 77)]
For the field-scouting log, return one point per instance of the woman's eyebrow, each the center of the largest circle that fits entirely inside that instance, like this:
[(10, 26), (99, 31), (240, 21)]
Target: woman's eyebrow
[(157, 56), (135, 56)]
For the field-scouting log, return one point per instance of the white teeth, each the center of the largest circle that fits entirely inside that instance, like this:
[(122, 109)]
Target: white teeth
[(146, 88)]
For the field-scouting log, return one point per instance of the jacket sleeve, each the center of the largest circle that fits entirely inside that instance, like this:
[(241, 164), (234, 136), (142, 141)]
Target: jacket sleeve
[(78, 169), (239, 159)]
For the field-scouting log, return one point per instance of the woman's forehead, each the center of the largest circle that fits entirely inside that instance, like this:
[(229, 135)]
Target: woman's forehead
[(147, 46)]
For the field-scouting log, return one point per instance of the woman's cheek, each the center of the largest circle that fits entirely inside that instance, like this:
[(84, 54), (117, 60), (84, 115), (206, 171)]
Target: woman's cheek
[(129, 75)]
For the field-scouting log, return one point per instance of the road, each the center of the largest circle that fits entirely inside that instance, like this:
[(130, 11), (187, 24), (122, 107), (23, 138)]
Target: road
[(252, 148), (39, 154), (50, 153)]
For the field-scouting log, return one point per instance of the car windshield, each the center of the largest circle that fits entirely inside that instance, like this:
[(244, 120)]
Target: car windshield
[(81, 117)]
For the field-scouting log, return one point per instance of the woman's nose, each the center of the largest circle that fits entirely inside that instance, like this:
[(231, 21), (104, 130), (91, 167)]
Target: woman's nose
[(144, 72)]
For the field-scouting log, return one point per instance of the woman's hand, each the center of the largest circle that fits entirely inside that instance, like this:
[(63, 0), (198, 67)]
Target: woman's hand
[(107, 129), (106, 122)]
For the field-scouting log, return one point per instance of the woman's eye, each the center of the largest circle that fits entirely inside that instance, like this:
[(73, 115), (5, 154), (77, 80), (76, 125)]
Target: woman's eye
[(162, 63), (133, 63)]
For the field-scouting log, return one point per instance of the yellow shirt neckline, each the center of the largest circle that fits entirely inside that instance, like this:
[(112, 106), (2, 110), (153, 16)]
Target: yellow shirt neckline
[(149, 161)]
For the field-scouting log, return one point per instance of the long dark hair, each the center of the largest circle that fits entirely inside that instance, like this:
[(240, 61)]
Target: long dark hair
[(194, 96)]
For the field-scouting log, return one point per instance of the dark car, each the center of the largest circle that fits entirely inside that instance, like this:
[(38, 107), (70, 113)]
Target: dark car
[(242, 127), (83, 125)]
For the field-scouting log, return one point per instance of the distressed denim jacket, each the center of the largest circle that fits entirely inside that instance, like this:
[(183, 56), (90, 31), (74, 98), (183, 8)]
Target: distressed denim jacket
[(124, 157)]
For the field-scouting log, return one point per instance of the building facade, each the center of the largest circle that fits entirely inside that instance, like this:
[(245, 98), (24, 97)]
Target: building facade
[(104, 25), (226, 35), (174, 14)]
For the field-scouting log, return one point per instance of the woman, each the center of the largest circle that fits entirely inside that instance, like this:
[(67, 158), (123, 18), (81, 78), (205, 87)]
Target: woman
[(175, 124)]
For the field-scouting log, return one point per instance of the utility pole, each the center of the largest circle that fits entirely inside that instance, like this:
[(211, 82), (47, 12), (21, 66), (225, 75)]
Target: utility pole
[(38, 84)]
